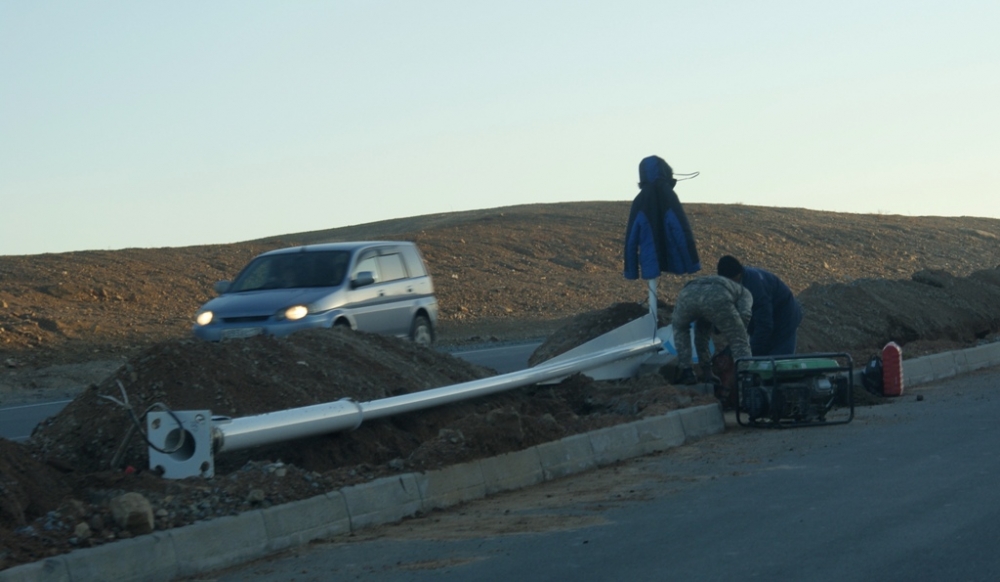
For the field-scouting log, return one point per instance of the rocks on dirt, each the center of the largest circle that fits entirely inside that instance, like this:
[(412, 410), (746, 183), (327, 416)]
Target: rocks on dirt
[(132, 513)]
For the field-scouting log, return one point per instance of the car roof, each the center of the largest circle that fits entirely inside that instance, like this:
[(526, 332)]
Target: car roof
[(337, 246)]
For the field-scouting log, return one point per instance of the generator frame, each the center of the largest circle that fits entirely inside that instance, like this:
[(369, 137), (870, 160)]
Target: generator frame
[(779, 376)]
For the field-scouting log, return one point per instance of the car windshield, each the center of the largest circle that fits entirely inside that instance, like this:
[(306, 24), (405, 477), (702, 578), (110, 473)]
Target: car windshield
[(293, 270)]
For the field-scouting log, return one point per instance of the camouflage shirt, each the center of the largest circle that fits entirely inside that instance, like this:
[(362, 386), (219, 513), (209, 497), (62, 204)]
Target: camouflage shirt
[(709, 285)]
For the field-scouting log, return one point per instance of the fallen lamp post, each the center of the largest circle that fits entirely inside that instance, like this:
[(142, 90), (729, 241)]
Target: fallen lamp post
[(184, 443)]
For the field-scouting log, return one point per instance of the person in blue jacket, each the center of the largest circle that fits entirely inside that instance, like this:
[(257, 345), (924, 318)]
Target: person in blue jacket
[(658, 237), (776, 315)]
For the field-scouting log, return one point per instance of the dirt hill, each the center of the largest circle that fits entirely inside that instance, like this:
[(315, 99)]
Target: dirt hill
[(119, 322), (505, 272)]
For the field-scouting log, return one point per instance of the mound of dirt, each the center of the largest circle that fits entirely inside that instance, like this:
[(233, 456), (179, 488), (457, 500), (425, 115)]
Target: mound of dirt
[(933, 311), (76, 462)]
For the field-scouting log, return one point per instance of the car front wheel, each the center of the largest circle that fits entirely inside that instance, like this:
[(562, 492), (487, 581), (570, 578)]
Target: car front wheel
[(421, 331)]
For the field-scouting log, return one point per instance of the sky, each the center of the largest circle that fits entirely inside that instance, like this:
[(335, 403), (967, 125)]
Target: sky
[(168, 124)]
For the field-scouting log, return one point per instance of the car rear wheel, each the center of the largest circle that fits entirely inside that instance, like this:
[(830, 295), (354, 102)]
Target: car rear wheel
[(421, 331)]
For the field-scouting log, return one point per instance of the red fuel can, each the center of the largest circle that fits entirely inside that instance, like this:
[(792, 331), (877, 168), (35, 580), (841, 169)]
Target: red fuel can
[(892, 370)]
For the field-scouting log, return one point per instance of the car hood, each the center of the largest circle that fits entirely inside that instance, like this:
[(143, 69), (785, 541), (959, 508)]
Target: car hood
[(264, 302)]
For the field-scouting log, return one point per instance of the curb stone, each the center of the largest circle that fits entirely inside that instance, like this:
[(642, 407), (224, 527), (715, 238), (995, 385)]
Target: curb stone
[(573, 454), (385, 500), (936, 367), (297, 524), (511, 471), (216, 543), (451, 485)]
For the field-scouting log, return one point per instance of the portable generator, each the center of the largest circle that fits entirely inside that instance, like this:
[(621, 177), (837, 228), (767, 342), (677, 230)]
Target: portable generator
[(798, 390)]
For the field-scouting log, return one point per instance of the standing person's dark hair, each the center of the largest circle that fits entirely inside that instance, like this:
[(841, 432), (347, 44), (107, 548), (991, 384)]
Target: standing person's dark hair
[(658, 238), (730, 268)]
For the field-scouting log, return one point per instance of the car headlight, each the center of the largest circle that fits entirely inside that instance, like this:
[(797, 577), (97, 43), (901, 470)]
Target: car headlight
[(296, 312), (204, 318)]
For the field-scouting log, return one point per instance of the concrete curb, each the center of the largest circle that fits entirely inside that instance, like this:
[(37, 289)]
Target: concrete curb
[(945, 365), (228, 541)]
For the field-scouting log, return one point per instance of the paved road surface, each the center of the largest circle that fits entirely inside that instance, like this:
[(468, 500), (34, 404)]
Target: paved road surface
[(908, 491), (17, 422), (503, 359)]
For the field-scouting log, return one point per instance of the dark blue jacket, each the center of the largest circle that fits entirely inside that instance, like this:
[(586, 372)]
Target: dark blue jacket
[(776, 312), (658, 237)]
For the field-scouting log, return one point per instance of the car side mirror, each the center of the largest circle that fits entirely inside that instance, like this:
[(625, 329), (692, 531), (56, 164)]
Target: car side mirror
[(362, 278), (221, 287)]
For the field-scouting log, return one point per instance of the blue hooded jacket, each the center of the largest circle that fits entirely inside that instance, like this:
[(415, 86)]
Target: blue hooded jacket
[(776, 312), (658, 237)]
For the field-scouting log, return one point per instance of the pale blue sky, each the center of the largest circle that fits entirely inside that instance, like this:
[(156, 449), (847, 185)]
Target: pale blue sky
[(152, 124)]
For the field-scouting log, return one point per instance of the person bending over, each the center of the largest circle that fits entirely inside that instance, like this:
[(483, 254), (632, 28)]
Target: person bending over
[(708, 302)]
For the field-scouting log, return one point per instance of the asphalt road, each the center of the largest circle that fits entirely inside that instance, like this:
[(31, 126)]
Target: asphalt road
[(17, 422), (503, 359), (907, 491)]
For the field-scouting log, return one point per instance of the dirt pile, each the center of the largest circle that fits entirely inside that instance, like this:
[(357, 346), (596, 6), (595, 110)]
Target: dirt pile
[(62, 481), (932, 311)]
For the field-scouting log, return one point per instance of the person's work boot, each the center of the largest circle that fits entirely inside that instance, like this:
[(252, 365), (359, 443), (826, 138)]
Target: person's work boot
[(687, 377)]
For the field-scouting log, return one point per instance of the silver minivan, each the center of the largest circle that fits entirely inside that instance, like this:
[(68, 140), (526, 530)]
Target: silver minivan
[(376, 286)]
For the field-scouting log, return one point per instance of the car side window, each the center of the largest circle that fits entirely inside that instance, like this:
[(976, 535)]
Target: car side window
[(391, 267), (368, 263), (414, 262)]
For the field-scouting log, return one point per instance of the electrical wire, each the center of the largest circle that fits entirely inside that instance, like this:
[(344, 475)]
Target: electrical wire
[(686, 176), (137, 420)]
